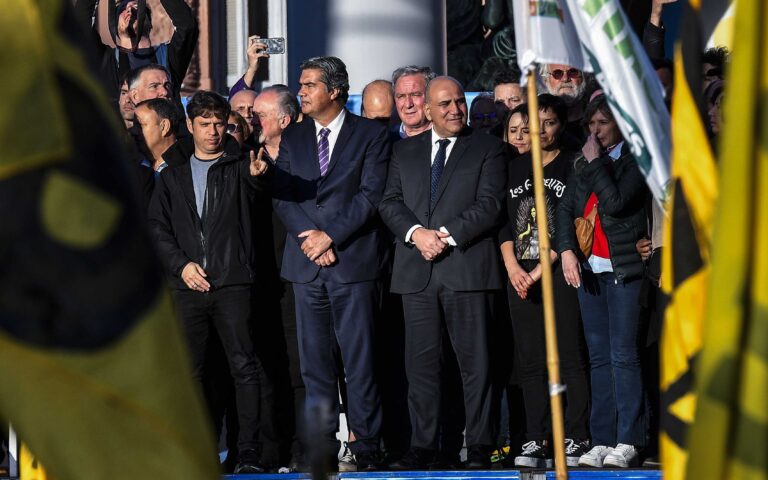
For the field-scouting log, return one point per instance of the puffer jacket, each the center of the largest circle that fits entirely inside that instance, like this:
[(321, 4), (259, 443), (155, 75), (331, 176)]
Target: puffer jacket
[(622, 198)]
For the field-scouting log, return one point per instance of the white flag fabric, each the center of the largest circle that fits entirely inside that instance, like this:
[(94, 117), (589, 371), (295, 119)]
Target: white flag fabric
[(544, 33), (630, 83)]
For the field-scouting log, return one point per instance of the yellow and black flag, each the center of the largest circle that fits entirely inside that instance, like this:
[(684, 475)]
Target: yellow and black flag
[(93, 370), (687, 236), (729, 436)]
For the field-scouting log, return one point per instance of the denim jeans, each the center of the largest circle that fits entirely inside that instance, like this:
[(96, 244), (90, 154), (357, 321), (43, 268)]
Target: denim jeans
[(611, 316)]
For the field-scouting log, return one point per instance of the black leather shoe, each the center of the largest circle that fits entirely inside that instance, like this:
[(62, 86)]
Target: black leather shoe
[(446, 463), (249, 462), (478, 458), (369, 461), (415, 459)]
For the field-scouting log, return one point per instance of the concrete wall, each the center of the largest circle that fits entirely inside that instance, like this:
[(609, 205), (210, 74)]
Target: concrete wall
[(371, 37)]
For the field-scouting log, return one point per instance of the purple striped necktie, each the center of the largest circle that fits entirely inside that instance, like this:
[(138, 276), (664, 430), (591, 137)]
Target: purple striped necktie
[(323, 150)]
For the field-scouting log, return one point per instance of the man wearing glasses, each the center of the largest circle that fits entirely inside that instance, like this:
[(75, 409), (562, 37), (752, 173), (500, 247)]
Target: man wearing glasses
[(568, 83)]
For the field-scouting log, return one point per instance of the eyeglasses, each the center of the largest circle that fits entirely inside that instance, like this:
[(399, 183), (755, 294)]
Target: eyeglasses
[(571, 73), (483, 116), (233, 128)]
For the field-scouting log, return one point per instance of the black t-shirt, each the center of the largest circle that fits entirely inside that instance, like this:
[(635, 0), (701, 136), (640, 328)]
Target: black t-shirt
[(520, 225)]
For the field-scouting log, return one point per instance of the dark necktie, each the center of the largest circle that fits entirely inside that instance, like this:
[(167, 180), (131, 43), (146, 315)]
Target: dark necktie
[(322, 151), (437, 168)]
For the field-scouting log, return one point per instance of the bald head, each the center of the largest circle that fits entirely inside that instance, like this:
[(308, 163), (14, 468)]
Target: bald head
[(378, 101), (446, 106), (242, 103), (442, 81)]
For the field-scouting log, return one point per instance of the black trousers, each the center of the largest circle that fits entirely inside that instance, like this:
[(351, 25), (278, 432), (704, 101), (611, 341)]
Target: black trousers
[(228, 311), (465, 316), (528, 325)]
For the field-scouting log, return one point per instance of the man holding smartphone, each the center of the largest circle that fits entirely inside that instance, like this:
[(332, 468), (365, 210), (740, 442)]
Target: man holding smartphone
[(257, 48)]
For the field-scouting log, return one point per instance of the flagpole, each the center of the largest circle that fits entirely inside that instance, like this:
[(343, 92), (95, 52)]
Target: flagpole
[(553, 360)]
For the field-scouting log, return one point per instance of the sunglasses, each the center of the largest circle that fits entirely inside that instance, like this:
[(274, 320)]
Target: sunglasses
[(233, 128), (484, 116), (570, 73)]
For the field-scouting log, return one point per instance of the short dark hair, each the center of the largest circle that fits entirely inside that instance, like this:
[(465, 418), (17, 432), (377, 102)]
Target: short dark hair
[(506, 76), (286, 100), (133, 75), (333, 73), (205, 103), (165, 109), (598, 104), (717, 57), (522, 109), (659, 63), (548, 101)]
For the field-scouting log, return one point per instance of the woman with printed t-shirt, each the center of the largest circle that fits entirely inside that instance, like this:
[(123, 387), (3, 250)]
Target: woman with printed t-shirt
[(608, 284), (519, 243)]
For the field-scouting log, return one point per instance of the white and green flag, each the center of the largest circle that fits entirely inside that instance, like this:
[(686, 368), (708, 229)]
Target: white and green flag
[(544, 33), (595, 35), (631, 85)]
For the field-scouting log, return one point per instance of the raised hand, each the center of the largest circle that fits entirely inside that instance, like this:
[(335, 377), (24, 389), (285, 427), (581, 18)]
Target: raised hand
[(258, 165)]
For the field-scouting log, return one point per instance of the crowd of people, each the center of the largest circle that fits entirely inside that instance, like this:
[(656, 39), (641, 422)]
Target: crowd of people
[(387, 265)]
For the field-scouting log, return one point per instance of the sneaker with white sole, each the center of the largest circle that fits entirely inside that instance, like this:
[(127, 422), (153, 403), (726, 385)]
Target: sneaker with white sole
[(595, 456), (347, 462), (623, 456), (574, 449), (535, 454)]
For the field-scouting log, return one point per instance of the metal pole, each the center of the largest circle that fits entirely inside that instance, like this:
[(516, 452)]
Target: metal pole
[(553, 360)]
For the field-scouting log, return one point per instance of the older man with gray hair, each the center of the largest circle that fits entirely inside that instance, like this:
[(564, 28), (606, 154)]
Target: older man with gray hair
[(409, 85)]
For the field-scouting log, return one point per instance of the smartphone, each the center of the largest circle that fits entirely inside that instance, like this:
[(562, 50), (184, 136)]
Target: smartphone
[(274, 45)]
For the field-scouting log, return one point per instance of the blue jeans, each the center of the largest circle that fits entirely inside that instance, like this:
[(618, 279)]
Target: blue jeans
[(611, 315)]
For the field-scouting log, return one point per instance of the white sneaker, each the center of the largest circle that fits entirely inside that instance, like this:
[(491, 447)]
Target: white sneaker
[(623, 456), (347, 462), (595, 457)]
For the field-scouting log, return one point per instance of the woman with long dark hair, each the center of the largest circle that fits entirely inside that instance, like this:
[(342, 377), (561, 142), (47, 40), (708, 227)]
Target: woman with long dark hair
[(520, 247)]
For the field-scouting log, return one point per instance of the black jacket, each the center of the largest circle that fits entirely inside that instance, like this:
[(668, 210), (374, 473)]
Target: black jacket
[(180, 48), (621, 194), (468, 204), (221, 242)]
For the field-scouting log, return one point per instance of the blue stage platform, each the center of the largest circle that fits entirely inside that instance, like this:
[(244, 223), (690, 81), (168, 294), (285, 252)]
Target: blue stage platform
[(574, 474)]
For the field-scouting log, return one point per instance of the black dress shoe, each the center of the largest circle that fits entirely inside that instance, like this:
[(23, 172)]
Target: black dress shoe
[(369, 461), (249, 462), (478, 458), (415, 459), (446, 463)]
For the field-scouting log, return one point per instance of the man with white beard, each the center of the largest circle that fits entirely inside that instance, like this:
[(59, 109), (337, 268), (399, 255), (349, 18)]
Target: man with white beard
[(570, 84)]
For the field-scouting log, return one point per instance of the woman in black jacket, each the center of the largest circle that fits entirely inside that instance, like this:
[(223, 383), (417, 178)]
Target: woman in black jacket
[(519, 243), (608, 284)]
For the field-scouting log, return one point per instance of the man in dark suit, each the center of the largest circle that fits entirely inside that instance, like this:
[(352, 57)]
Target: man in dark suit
[(334, 251), (443, 199)]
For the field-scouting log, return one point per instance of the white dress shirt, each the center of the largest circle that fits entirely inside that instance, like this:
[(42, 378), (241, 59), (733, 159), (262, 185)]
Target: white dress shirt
[(334, 127), (435, 147)]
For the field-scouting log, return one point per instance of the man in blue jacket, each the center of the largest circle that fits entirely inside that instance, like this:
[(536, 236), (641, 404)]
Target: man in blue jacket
[(337, 164)]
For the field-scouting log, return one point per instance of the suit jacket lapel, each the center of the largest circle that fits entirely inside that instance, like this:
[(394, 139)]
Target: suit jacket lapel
[(423, 168), (341, 141), (310, 137), (457, 152)]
